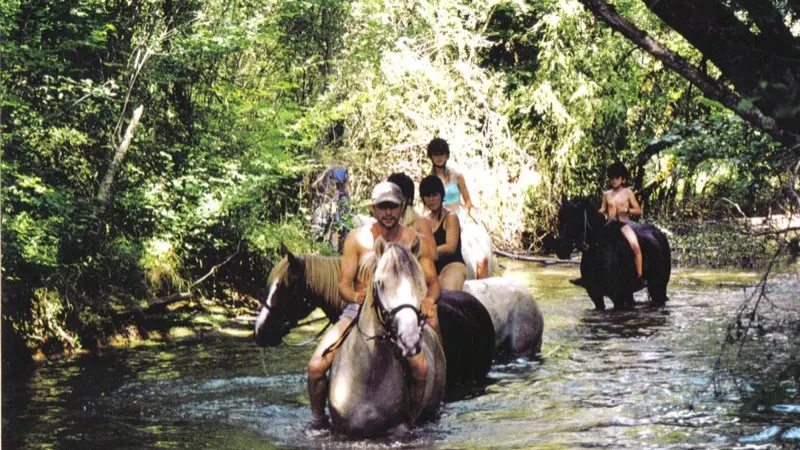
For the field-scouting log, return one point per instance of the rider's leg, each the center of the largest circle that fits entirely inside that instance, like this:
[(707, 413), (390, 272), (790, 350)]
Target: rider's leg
[(318, 367), (637, 251), (453, 276), (419, 377), (482, 270)]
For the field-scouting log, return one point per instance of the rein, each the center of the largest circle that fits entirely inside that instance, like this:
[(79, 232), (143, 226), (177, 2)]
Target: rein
[(582, 244), (308, 322), (313, 338)]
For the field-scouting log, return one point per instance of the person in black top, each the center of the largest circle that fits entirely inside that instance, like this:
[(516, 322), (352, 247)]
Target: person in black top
[(447, 234)]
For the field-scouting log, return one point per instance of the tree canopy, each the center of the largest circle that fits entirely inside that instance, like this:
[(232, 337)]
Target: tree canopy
[(164, 147)]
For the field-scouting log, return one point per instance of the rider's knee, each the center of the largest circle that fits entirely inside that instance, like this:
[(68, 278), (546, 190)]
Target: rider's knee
[(317, 367)]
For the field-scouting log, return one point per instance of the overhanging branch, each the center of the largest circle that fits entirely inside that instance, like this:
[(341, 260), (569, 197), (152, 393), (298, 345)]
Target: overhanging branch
[(710, 87)]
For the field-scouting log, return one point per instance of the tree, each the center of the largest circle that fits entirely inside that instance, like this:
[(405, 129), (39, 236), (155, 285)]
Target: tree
[(758, 58)]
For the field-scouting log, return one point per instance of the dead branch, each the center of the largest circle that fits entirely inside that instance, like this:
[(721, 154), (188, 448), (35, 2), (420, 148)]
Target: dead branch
[(545, 261)]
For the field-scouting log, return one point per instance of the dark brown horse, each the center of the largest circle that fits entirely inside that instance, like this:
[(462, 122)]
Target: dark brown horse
[(607, 267)]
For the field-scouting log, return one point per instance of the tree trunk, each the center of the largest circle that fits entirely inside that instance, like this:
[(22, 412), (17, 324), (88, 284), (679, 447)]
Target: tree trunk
[(105, 187)]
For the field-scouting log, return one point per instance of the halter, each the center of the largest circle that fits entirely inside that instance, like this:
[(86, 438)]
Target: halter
[(304, 303), (386, 318)]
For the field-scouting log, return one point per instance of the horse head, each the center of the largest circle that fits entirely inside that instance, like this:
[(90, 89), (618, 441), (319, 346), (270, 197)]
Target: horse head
[(398, 289), (578, 221), (287, 300)]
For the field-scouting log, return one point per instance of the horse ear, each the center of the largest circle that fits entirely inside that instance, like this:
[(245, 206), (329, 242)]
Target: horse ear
[(283, 250), (416, 246), (294, 261), (380, 246)]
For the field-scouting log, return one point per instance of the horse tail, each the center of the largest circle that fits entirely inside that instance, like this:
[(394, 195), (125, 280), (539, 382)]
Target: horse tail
[(667, 256)]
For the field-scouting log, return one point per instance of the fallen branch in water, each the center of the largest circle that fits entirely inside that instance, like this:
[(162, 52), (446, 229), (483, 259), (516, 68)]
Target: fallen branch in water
[(159, 305), (545, 261)]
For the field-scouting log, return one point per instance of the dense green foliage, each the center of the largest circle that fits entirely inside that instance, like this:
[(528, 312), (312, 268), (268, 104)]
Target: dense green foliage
[(244, 101)]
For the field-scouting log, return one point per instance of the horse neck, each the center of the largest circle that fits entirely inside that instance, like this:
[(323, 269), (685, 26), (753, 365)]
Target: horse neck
[(368, 320)]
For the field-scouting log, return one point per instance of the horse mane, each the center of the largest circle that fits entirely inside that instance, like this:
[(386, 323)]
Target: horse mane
[(321, 276)]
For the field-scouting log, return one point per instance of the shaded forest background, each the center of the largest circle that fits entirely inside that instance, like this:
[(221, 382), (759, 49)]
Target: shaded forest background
[(156, 148)]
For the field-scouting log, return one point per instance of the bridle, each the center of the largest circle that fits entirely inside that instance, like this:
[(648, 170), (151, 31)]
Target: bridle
[(289, 323), (386, 319)]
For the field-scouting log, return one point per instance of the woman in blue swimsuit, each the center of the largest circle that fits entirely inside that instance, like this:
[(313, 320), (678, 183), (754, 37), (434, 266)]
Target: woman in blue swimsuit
[(454, 185), (447, 233)]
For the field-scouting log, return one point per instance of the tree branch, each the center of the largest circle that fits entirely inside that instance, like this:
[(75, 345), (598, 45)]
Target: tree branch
[(105, 187), (546, 261), (710, 87)]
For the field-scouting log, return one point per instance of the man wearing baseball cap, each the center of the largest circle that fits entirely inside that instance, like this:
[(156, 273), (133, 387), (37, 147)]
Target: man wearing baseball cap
[(386, 201)]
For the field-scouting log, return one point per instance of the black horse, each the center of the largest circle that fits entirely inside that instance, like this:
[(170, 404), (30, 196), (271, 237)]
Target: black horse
[(607, 265), (300, 284)]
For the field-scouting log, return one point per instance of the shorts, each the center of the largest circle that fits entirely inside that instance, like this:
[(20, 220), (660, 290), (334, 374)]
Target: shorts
[(350, 310)]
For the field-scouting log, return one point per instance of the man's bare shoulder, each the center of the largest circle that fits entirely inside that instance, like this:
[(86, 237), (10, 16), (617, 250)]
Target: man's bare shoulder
[(362, 237), (426, 249)]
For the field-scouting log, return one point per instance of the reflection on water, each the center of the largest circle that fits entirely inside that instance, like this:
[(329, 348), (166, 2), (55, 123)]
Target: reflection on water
[(631, 379)]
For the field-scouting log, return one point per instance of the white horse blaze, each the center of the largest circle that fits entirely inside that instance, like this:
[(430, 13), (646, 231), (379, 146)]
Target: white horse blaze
[(264, 313)]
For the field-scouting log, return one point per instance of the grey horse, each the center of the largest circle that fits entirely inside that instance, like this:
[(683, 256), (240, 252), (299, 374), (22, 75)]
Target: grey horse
[(369, 394)]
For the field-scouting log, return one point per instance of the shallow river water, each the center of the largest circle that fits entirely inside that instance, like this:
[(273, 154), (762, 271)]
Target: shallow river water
[(633, 380)]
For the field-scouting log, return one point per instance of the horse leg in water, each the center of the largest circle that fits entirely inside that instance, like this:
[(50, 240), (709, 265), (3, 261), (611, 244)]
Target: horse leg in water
[(317, 368), (589, 280), (419, 378)]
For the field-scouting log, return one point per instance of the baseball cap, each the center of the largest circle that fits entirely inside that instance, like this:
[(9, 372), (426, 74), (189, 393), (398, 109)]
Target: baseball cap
[(386, 192)]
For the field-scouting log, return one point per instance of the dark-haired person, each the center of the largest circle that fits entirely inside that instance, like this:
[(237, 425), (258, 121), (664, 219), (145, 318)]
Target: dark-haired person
[(408, 216), (358, 245), (619, 203), (455, 187), (446, 229)]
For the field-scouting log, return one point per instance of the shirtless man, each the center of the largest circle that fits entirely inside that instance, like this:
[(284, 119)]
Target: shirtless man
[(386, 206), (620, 204)]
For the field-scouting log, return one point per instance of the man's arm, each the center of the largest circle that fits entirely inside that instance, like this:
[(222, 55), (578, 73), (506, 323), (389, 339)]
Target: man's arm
[(350, 269), (423, 226)]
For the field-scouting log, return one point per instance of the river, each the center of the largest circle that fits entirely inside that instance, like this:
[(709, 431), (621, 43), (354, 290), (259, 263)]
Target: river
[(633, 380)]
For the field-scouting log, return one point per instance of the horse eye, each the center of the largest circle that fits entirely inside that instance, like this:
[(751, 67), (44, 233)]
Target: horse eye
[(379, 284)]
